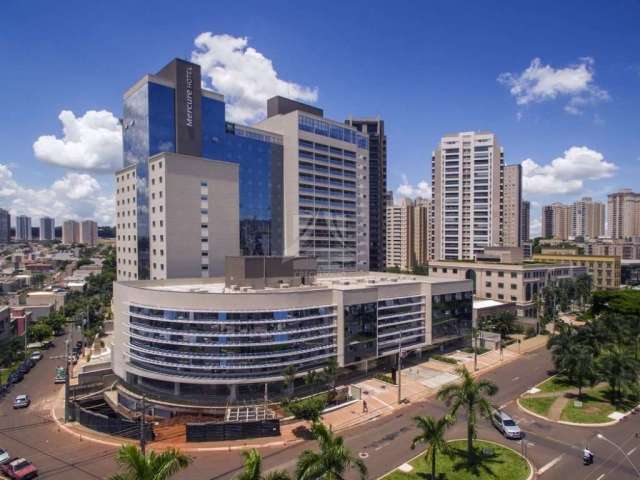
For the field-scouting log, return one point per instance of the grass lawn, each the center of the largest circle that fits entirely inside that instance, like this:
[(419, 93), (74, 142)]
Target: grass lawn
[(503, 464), (539, 405), (5, 372), (555, 384), (595, 408)]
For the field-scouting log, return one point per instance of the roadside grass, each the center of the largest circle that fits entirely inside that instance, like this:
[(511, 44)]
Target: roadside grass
[(497, 463), (5, 372), (539, 405), (595, 408), (554, 384)]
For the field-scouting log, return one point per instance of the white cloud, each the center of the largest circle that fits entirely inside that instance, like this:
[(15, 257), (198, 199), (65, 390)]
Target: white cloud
[(566, 174), (75, 196), (538, 83), (243, 75), (535, 228), (422, 189), (90, 142)]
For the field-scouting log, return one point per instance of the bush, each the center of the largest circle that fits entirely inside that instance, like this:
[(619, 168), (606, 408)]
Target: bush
[(529, 332), (385, 377), (308, 408), (442, 358)]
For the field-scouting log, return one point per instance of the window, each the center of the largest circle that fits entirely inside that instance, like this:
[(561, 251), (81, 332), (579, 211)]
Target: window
[(487, 284), (514, 275), (488, 274), (501, 285), (514, 286), (501, 296), (501, 274)]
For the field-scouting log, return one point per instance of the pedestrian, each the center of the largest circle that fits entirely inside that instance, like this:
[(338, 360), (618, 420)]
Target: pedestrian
[(365, 407)]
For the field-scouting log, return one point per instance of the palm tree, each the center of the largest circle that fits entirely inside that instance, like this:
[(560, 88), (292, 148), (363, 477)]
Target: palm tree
[(253, 468), (620, 368), (560, 343), (150, 466), (432, 434), (289, 378), (471, 396), (331, 462)]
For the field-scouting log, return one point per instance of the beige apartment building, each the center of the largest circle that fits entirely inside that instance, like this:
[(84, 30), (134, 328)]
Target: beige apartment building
[(587, 218), (89, 233), (193, 217), (604, 270), (70, 232), (525, 221), (325, 186), (623, 214), (512, 206), (518, 283), (407, 229), (626, 250)]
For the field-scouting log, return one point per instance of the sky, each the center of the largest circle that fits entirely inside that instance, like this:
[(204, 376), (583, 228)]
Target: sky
[(557, 82)]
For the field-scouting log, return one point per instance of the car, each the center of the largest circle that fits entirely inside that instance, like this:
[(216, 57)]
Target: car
[(36, 356), (4, 456), (506, 425), (61, 375), (19, 469), (21, 401), (48, 344), (16, 376)]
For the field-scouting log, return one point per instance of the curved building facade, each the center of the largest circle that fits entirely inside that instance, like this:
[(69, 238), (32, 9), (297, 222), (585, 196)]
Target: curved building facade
[(198, 338)]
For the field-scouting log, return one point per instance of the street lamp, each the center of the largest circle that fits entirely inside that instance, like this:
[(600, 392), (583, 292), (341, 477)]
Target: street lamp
[(602, 437)]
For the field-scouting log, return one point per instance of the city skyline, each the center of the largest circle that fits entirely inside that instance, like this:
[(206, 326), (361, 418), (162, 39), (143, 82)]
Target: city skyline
[(571, 96)]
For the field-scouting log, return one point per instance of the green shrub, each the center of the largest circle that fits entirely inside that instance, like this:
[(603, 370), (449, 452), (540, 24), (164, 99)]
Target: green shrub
[(442, 358), (385, 377)]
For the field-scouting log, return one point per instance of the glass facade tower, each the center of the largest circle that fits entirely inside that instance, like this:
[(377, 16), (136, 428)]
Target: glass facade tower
[(170, 112)]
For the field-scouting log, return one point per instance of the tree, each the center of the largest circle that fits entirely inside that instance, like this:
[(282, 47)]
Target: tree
[(308, 408), (620, 368), (253, 468), (579, 366), (289, 375), (39, 331), (471, 396), (432, 434), (312, 377), (331, 462), (330, 373), (560, 344), (150, 466)]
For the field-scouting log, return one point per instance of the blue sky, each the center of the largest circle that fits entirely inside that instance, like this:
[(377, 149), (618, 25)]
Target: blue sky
[(427, 68)]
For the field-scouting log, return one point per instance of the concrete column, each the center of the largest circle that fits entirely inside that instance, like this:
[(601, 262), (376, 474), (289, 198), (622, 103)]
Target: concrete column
[(176, 389), (233, 392)]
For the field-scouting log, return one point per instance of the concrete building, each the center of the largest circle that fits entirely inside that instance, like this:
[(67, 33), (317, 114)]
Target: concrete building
[(208, 340), (5, 226), (23, 228), (421, 219), (6, 331), (604, 270), (47, 228), (512, 206), (170, 112), (626, 250), (466, 176), (517, 283), (326, 186), (546, 222), (89, 233), (587, 218), (557, 221), (525, 217), (70, 232), (399, 218), (193, 217), (623, 214)]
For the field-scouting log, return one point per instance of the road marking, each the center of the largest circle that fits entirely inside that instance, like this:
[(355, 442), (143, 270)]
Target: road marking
[(515, 378), (600, 477), (382, 401), (632, 450), (550, 464)]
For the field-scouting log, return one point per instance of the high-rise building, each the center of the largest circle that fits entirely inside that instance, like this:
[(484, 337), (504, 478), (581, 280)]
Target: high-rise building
[(547, 222), (47, 228), (374, 128), (70, 232), (421, 218), (5, 226), (193, 214), (512, 206), (23, 228), (587, 218), (556, 221), (170, 112), (525, 220), (326, 186), (466, 177), (399, 219), (89, 233), (623, 214)]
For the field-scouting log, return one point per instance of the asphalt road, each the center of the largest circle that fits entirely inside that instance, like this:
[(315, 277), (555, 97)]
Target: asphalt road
[(554, 449)]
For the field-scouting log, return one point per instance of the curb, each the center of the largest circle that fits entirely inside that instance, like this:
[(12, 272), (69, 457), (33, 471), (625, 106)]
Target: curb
[(532, 470)]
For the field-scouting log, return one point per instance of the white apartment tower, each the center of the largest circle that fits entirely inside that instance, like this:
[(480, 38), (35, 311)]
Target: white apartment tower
[(47, 228), (467, 171), (23, 228), (399, 223), (325, 186)]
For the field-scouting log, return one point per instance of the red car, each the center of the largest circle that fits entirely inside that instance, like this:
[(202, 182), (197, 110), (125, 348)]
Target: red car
[(19, 469)]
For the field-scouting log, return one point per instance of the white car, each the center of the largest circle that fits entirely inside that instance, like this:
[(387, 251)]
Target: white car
[(4, 456), (36, 356)]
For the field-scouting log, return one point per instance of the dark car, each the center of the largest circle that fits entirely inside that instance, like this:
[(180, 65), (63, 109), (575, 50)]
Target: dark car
[(16, 377)]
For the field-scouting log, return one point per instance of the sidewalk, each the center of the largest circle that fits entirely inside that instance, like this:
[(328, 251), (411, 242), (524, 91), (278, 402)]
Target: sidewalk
[(419, 382)]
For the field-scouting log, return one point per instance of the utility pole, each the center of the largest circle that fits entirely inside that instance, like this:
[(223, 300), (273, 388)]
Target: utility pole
[(400, 371), (66, 380), (143, 438), (474, 332)]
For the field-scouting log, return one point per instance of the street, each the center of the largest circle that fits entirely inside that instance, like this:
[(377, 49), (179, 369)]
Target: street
[(554, 449)]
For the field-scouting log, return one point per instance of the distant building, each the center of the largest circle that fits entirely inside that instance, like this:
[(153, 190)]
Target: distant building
[(374, 128), (23, 228), (604, 270), (623, 214), (70, 232), (399, 219), (556, 221), (5, 226), (47, 228), (512, 206), (587, 218), (88, 233), (525, 216)]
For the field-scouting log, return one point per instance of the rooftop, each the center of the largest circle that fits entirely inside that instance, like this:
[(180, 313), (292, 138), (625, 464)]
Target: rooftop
[(477, 304)]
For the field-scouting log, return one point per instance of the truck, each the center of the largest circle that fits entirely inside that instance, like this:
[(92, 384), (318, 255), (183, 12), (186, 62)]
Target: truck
[(19, 469)]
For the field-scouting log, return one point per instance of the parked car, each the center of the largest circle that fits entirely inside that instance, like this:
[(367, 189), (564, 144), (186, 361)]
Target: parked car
[(48, 344), (21, 401), (19, 469), (36, 356), (506, 425), (4, 456), (61, 375), (16, 376)]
